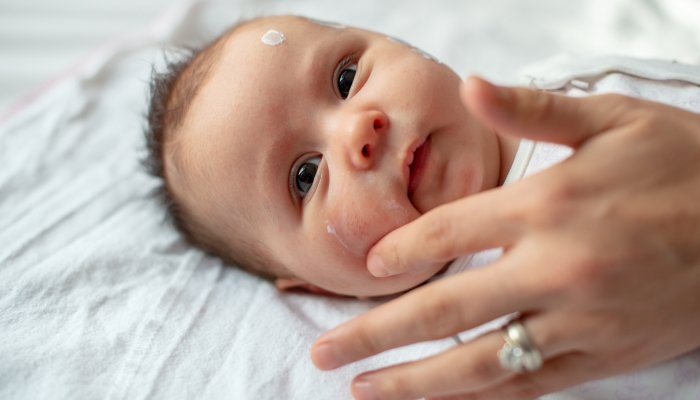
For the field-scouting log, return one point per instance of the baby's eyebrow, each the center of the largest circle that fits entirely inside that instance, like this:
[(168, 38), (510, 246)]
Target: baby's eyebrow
[(274, 155), (277, 158), (321, 51), (319, 58)]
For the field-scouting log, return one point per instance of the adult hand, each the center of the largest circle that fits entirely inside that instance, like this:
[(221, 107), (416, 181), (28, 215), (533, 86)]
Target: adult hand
[(602, 256)]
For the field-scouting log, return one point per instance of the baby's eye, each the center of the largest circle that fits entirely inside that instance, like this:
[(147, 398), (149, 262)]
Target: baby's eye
[(305, 175), (345, 79)]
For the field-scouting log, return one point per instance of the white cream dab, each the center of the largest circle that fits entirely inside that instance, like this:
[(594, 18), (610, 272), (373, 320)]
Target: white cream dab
[(415, 49), (331, 230), (327, 24), (273, 38)]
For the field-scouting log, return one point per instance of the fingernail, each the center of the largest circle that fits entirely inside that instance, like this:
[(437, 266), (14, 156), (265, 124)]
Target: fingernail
[(363, 390), (376, 267), (325, 357)]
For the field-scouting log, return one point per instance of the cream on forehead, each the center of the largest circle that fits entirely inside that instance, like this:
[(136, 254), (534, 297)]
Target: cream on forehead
[(273, 37), (326, 23), (415, 49)]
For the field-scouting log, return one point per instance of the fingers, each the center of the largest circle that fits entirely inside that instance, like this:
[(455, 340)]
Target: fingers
[(462, 227), (471, 367), (434, 311), (556, 374), (544, 116), (480, 222)]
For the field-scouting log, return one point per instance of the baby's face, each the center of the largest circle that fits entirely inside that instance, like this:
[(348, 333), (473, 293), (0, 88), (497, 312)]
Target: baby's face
[(324, 143)]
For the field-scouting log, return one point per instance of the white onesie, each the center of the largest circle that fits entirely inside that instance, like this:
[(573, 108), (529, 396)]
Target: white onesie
[(665, 82)]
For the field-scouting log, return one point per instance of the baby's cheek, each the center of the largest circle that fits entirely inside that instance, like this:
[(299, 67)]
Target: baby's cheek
[(360, 222)]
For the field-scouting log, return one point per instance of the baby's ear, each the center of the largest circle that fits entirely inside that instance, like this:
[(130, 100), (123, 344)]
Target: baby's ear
[(300, 284)]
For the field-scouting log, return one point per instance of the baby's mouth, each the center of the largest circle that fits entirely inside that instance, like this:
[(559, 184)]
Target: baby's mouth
[(417, 166)]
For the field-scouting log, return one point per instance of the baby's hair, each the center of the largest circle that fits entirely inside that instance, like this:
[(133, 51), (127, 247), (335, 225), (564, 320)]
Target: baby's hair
[(171, 94)]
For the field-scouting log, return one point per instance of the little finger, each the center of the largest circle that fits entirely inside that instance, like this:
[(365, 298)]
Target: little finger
[(557, 374)]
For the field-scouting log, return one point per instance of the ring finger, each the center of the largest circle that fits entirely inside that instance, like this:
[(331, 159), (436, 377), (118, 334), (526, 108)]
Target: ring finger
[(472, 366)]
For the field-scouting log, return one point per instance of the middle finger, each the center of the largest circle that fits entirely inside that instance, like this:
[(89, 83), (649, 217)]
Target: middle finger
[(434, 311)]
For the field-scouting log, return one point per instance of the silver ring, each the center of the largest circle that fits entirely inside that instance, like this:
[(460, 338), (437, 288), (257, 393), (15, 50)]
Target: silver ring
[(518, 353)]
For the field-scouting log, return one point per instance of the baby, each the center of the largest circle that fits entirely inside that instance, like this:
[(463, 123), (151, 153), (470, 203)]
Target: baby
[(290, 146)]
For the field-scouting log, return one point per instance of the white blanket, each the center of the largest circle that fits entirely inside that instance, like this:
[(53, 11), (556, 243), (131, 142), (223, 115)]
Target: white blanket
[(100, 299)]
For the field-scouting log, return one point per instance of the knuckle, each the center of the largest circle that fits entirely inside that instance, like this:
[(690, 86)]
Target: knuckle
[(582, 268), (540, 105), (367, 343), (481, 371), (577, 273), (527, 388), (651, 124), (437, 237), (396, 257), (613, 100), (612, 326), (393, 386), (616, 104), (583, 274), (651, 118), (559, 191), (441, 318), (547, 205)]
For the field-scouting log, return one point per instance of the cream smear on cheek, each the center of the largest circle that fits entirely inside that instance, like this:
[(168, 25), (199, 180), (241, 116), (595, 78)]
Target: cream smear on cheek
[(415, 49), (330, 229), (273, 38), (352, 232)]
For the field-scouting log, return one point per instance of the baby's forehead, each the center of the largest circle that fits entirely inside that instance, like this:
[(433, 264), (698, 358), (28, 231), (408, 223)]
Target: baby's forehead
[(277, 30), (281, 22)]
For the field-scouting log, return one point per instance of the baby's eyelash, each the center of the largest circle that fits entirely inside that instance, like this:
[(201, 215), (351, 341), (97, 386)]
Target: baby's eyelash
[(293, 183), (346, 61)]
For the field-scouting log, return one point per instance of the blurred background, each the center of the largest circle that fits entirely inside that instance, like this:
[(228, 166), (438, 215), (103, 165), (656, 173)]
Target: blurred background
[(41, 39)]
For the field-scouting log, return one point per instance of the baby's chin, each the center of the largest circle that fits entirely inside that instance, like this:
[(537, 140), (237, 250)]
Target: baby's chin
[(395, 285)]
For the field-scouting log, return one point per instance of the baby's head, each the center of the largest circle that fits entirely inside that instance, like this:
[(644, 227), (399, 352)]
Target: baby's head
[(290, 146)]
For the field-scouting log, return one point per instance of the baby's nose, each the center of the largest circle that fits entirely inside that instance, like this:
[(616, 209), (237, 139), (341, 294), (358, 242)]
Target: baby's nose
[(365, 134)]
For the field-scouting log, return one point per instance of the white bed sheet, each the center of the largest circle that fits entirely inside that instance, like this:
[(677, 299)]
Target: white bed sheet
[(100, 299)]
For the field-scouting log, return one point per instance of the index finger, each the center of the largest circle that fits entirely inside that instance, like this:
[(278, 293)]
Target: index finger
[(464, 226)]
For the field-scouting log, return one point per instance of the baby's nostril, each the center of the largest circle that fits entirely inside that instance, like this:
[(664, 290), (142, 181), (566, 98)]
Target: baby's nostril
[(377, 124), (365, 150)]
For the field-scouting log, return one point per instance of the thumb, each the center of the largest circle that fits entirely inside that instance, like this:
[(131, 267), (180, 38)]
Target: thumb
[(543, 116)]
